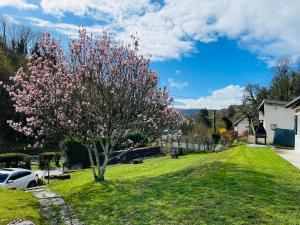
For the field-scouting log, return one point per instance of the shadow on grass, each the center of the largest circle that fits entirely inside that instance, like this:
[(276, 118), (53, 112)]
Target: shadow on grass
[(215, 193)]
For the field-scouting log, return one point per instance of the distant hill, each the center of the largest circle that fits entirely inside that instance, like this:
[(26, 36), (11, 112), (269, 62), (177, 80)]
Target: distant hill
[(234, 115), (189, 112)]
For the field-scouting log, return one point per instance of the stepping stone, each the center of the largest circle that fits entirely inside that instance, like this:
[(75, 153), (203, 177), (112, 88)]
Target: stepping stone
[(54, 208)]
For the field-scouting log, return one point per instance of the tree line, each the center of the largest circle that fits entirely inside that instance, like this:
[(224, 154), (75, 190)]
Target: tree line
[(15, 42)]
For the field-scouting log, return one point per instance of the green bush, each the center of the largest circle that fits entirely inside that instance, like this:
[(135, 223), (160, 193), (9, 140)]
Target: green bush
[(215, 138), (15, 160), (57, 158), (75, 152), (47, 157)]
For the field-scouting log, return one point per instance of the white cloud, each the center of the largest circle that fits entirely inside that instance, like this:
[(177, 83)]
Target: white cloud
[(219, 99), (19, 4), (63, 28), (68, 29), (177, 72), (101, 10), (170, 29), (178, 85)]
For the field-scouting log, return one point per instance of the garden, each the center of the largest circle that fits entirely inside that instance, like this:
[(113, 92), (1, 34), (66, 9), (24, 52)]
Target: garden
[(242, 185), (98, 111)]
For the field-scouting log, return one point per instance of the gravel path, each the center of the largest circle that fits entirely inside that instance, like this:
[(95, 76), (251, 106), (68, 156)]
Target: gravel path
[(53, 208)]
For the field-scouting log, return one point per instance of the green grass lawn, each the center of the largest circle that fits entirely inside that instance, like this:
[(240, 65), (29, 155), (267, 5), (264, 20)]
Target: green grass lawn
[(238, 186), (18, 205)]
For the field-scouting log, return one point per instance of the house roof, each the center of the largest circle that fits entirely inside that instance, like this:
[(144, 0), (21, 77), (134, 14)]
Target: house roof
[(293, 103), (239, 120), (272, 102)]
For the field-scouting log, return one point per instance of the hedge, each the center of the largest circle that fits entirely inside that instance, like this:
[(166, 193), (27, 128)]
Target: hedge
[(47, 157), (15, 160), (77, 154), (27, 150)]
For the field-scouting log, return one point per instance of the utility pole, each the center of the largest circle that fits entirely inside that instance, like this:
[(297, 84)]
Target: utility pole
[(215, 129)]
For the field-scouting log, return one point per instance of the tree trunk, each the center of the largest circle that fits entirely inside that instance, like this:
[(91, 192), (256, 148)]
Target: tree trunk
[(92, 162), (103, 168)]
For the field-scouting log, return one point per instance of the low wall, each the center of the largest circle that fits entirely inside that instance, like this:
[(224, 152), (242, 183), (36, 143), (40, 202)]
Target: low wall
[(251, 139)]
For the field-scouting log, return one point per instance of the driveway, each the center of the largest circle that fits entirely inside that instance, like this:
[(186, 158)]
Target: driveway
[(57, 171), (291, 156)]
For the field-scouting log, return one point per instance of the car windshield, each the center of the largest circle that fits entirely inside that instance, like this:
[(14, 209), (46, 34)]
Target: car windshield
[(3, 177)]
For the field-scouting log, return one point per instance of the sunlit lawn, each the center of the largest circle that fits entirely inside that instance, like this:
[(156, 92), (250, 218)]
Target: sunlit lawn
[(238, 186), (16, 205)]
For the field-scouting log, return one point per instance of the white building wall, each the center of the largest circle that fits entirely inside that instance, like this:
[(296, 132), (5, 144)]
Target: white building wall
[(297, 136), (242, 126), (276, 116)]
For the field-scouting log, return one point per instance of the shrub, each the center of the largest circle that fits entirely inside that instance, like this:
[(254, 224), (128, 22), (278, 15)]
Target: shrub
[(15, 160), (75, 153), (227, 137), (216, 138), (47, 157), (57, 157)]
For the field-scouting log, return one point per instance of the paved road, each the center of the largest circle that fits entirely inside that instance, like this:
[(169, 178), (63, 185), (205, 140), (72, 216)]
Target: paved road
[(291, 156)]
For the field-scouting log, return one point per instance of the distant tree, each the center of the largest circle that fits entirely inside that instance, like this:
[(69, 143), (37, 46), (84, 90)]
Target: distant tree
[(21, 37), (231, 111), (228, 123), (200, 133), (282, 82), (9, 61), (254, 94), (203, 117)]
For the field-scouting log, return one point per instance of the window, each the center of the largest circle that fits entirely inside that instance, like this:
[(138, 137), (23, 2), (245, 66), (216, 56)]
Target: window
[(296, 124), (273, 126), (3, 177), (19, 175)]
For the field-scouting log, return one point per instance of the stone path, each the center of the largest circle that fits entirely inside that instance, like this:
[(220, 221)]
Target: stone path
[(53, 208), (291, 156)]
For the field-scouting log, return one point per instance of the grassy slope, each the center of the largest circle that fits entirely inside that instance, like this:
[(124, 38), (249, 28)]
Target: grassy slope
[(238, 186), (18, 205)]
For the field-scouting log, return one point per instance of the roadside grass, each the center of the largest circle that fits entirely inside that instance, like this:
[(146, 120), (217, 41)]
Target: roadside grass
[(242, 185), (15, 205)]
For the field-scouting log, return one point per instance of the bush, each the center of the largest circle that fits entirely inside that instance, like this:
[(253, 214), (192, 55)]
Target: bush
[(227, 137), (47, 157), (216, 138), (57, 158), (76, 154), (15, 160)]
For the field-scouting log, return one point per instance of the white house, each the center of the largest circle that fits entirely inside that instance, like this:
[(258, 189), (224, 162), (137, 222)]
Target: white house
[(241, 126), (275, 115), (295, 105)]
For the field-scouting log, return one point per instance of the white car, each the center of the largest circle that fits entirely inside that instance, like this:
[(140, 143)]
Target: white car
[(17, 178)]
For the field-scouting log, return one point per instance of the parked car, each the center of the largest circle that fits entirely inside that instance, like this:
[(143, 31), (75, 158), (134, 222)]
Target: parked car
[(17, 178)]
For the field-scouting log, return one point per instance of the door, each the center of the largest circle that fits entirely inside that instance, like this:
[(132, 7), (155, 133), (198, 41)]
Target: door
[(13, 181), (18, 180)]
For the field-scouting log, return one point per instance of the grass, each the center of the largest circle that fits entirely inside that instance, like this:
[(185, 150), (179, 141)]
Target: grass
[(16, 205), (239, 186)]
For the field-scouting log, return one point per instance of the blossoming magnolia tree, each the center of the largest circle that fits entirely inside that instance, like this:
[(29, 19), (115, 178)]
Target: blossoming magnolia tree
[(101, 88)]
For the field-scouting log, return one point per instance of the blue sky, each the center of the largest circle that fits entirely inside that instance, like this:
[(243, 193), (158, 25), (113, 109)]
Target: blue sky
[(205, 51)]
